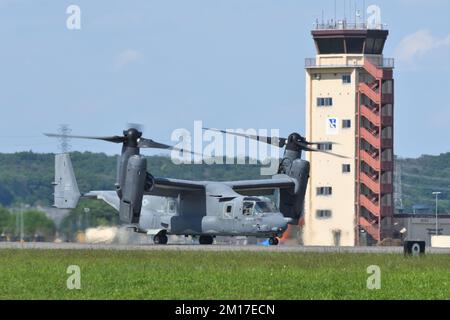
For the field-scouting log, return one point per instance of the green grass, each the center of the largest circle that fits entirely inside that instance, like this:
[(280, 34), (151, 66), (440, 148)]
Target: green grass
[(108, 274)]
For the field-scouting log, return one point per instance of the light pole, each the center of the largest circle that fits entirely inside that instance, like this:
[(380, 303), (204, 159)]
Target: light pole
[(437, 193), (21, 224)]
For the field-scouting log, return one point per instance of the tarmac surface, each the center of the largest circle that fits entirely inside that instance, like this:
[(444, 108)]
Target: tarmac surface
[(217, 248)]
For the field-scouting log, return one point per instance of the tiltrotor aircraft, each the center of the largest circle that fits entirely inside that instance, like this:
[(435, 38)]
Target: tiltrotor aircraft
[(204, 209)]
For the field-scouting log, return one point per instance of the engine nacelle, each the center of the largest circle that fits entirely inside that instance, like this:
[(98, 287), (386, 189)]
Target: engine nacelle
[(292, 201), (135, 181)]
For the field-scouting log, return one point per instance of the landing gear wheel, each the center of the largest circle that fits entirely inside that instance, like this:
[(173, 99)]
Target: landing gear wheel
[(273, 241), (160, 239), (163, 239), (206, 240)]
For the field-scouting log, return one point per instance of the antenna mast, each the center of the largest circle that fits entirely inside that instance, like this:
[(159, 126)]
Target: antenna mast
[(351, 14), (364, 12), (335, 14), (345, 10)]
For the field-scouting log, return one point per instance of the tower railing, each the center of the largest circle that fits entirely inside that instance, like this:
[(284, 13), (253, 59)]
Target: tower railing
[(384, 63), (344, 25)]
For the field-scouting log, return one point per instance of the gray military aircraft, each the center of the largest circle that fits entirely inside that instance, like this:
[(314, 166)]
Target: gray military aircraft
[(204, 209)]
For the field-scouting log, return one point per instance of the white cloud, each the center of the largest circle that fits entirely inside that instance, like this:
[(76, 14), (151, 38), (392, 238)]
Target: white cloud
[(126, 58), (418, 44)]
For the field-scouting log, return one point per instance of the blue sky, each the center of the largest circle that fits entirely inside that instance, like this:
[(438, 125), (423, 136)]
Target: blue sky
[(229, 63)]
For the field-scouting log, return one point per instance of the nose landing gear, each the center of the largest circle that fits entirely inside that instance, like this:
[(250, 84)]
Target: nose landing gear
[(273, 241)]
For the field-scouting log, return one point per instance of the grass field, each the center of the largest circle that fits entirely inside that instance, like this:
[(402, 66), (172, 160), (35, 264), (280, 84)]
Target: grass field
[(108, 274)]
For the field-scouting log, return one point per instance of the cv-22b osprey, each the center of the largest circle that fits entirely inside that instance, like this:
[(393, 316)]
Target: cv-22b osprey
[(163, 206)]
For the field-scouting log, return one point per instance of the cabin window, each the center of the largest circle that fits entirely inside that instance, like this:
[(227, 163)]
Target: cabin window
[(228, 212)]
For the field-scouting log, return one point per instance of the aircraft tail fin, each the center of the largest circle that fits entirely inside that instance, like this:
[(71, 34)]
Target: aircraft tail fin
[(66, 192)]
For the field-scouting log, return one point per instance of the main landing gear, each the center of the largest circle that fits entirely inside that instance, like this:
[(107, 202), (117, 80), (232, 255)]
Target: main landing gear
[(160, 239), (206, 240), (273, 241)]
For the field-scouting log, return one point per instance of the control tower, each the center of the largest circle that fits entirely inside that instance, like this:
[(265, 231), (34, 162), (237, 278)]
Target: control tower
[(350, 102)]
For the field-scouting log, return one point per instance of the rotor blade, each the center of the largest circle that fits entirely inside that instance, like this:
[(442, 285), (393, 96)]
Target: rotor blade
[(115, 139), (149, 143), (280, 142), (305, 147)]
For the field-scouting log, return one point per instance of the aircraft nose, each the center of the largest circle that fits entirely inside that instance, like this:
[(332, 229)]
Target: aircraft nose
[(276, 223), (282, 223)]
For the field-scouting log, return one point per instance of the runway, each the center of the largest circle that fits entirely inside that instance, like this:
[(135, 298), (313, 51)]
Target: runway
[(211, 248)]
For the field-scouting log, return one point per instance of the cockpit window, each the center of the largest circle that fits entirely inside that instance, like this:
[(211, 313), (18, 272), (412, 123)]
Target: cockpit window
[(247, 209), (264, 207), (255, 207)]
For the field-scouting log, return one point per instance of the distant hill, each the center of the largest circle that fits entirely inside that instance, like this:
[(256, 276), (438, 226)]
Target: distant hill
[(26, 176), (421, 177)]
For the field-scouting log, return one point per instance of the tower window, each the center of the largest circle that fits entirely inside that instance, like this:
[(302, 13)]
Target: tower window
[(325, 146), (346, 124), (346, 79), (346, 168), (323, 214), (324, 191), (324, 102)]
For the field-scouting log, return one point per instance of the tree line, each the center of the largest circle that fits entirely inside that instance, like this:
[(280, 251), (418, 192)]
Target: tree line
[(27, 177)]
